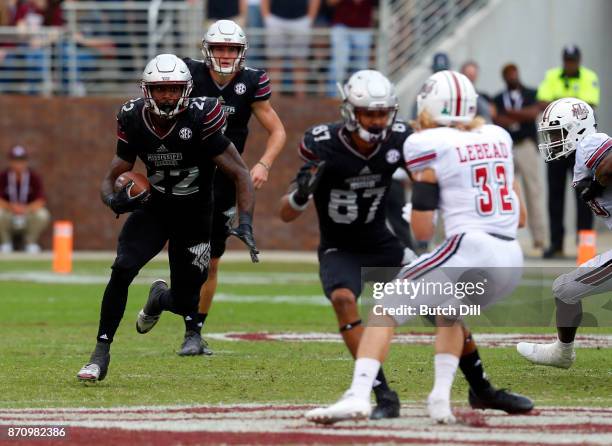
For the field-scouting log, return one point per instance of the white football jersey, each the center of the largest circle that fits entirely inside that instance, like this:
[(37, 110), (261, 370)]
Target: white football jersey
[(475, 172), (590, 152)]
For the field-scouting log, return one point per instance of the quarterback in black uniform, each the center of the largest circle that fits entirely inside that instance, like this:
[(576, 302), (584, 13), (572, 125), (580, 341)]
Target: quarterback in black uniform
[(180, 141), (348, 171), (242, 91)]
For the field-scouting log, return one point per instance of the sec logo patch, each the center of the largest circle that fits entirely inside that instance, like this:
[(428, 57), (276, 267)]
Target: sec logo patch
[(185, 133), (240, 88), (392, 156)]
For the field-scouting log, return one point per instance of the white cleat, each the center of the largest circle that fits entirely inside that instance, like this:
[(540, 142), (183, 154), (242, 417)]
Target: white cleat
[(349, 407), (89, 372), (547, 354), (440, 410)]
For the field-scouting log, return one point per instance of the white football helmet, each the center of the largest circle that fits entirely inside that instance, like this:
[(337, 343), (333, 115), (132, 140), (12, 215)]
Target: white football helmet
[(368, 90), (166, 69), (448, 97), (563, 125), (224, 33)]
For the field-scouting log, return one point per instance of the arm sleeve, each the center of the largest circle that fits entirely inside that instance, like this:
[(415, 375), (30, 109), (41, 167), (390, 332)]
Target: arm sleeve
[(211, 133), (125, 150), (419, 153), (263, 90), (307, 150)]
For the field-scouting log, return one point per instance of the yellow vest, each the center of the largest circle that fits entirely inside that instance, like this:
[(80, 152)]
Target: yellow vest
[(556, 86)]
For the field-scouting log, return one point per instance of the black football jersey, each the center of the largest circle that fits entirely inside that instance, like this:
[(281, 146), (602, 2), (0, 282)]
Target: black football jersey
[(179, 163), (351, 196), (248, 86)]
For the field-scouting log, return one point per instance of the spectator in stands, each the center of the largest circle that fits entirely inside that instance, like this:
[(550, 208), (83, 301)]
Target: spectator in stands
[(319, 58), (22, 203), (484, 107), (288, 24), (86, 45), (256, 43), (351, 38), (34, 55), (516, 111), (234, 10), (573, 80)]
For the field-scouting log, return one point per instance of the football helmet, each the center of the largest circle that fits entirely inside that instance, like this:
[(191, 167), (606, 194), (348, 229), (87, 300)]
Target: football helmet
[(563, 125), (166, 69), (224, 33), (448, 97), (368, 90)]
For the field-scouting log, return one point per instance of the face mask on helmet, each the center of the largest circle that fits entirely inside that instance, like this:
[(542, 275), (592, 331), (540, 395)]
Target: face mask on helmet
[(166, 72), (220, 37), (369, 105), (372, 124), (166, 105), (564, 125), (230, 61)]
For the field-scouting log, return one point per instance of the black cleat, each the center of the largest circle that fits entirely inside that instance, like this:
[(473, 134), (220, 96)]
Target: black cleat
[(194, 345), (149, 315), (500, 399), (97, 367), (387, 406)]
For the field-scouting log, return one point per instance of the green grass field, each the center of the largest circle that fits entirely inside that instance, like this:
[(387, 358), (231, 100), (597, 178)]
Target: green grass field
[(47, 331)]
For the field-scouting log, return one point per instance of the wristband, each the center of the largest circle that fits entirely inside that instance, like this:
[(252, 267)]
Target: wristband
[(267, 167), (294, 205)]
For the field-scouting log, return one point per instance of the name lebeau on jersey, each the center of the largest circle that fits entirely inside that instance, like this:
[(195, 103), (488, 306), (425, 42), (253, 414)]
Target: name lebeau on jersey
[(589, 154), (475, 172)]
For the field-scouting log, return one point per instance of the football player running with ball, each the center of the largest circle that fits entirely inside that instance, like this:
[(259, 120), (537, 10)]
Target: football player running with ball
[(242, 91), (180, 141), (568, 125), (465, 170)]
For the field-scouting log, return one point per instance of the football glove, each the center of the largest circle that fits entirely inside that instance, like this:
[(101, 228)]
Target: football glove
[(120, 202), (307, 180), (589, 189), (244, 231)]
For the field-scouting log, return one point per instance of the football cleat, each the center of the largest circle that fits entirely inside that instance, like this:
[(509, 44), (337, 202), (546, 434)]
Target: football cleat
[(194, 345), (97, 367), (387, 406), (149, 315), (439, 410), (499, 399), (547, 354), (349, 407)]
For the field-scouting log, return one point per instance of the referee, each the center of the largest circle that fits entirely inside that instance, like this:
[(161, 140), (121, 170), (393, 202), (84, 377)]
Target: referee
[(570, 80)]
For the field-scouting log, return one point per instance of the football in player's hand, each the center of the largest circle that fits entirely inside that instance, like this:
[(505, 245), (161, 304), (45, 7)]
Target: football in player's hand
[(140, 183)]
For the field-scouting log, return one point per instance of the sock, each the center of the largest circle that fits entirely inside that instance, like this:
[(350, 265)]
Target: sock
[(192, 322), (365, 372), (200, 318), (445, 367), (474, 373), (380, 385), (113, 304)]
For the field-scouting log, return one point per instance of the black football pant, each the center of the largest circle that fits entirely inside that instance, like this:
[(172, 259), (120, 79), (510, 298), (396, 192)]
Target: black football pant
[(143, 236), (557, 177)]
